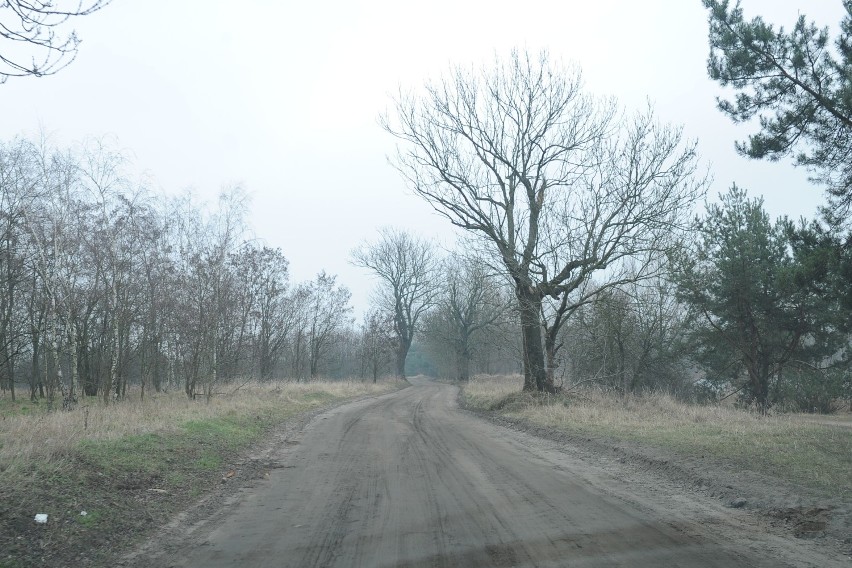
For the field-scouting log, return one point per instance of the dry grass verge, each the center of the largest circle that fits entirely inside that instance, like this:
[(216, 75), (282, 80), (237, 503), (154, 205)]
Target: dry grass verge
[(130, 465), (794, 448)]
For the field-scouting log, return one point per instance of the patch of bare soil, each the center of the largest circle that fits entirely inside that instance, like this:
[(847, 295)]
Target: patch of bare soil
[(792, 509)]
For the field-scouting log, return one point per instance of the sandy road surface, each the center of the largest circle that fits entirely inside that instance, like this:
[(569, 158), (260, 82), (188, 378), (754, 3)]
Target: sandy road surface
[(407, 479)]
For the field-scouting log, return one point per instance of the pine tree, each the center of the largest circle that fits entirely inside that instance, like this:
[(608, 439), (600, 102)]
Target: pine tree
[(759, 296), (798, 84)]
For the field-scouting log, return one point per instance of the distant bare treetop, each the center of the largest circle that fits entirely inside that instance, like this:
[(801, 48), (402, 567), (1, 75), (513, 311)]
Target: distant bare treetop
[(33, 44), (406, 266)]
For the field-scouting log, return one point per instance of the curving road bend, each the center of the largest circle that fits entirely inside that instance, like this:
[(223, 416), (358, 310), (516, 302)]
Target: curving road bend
[(408, 479)]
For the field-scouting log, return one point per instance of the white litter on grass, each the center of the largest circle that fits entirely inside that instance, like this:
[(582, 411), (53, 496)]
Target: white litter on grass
[(41, 518), (83, 513)]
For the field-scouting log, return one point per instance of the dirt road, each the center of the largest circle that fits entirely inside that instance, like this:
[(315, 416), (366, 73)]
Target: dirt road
[(408, 479)]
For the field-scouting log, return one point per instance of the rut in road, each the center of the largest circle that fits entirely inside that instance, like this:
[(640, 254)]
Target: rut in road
[(408, 479)]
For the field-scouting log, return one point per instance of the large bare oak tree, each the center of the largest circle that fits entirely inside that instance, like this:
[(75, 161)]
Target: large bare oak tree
[(557, 185)]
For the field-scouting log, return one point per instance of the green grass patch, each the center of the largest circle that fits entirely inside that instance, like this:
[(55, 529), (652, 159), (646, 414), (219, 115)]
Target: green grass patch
[(318, 397), (209, 461), (21, 407), (141, 454), (90, 519), (230, 431), (176, 478)]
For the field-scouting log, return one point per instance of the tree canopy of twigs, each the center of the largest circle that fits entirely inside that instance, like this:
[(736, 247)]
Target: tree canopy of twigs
[(34, 40)]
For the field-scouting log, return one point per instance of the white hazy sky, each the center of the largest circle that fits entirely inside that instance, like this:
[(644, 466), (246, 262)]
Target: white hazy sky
[(283, 97)]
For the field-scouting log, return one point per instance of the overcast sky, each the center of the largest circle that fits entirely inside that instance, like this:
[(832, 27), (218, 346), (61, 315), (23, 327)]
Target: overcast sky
[(283, 98)]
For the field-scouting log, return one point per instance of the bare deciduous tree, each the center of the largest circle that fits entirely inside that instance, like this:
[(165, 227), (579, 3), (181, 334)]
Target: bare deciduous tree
[(16, 193), (377, 343), (329, 312), (406, 266), (103, 286), (470, 302), (264, 273), (32, 45), (632, 337), (556, 185)]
